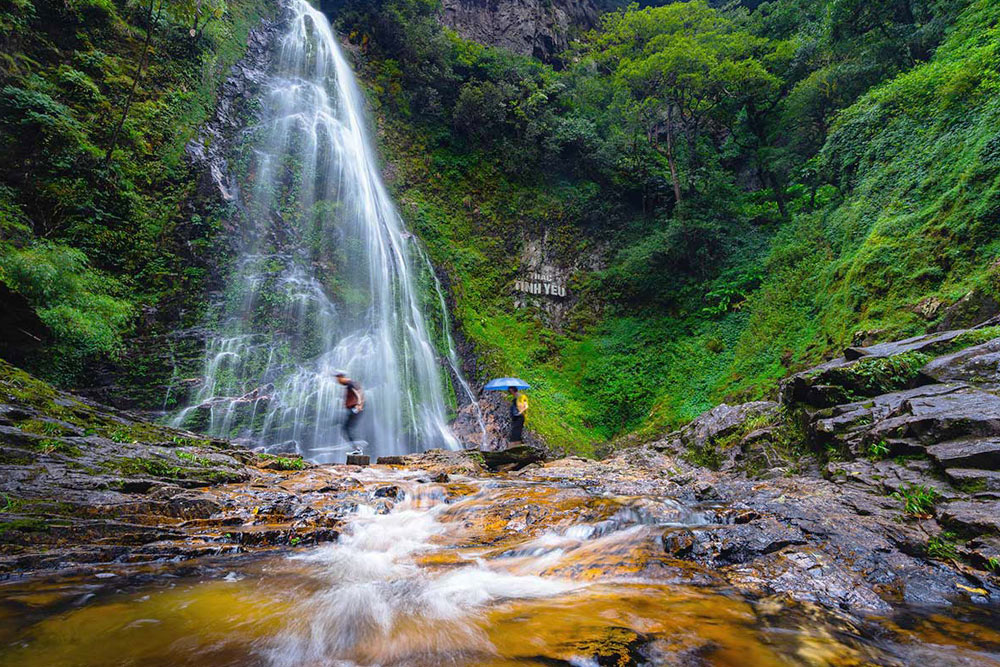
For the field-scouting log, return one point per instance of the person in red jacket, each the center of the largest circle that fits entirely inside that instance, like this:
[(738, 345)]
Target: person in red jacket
[(354, 403)]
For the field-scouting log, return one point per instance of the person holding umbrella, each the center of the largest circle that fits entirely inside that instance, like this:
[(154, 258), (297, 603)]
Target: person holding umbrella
[(518, 404)]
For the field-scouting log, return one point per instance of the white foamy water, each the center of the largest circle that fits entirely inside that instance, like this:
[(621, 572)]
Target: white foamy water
[(377, 605), (326, 279)]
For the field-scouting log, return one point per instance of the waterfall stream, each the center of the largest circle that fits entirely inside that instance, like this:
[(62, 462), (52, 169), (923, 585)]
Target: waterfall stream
[(326, 279)]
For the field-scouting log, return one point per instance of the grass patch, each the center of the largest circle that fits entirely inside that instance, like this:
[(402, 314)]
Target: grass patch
[(878, 450), (50, 445), (194, 458), (282, 463), (943, 546), (138, 466), (918, 500)]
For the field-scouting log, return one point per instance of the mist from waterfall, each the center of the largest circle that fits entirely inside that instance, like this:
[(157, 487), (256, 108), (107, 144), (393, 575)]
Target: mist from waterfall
[(326, 279)]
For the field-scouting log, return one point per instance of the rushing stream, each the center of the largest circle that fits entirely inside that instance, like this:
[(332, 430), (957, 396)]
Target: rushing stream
[(326, 279), (470, 571)]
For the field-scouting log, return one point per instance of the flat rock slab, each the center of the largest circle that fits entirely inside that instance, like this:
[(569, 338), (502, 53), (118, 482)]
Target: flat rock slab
[(922, 343), (972, 516), (974, 480), (983, 453), (978, 365)]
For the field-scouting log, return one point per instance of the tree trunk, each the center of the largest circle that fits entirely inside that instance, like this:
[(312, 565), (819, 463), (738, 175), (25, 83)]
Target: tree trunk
[(151, 22), (671, 158), (778, 190)]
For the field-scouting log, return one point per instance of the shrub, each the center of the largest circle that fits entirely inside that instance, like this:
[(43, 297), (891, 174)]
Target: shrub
[(917, 499), (72, 299)]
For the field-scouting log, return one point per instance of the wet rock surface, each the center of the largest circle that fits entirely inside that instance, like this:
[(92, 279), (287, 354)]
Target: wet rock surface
[(86, 485), (835, 544), (81, 483), (540, 28)]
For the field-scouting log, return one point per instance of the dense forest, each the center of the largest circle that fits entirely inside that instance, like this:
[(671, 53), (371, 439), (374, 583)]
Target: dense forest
[(740, 190), (763, 186)]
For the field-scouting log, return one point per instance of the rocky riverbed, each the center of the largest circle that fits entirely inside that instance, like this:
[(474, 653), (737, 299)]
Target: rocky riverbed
[(853, 521)]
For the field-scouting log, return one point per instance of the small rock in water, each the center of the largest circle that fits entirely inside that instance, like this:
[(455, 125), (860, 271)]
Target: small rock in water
[(388, 492), (105, 575), (440, 478), (358, 460), (232, 576)]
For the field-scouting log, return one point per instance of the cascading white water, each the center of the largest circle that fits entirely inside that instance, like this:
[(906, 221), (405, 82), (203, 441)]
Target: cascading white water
[(325, 279)]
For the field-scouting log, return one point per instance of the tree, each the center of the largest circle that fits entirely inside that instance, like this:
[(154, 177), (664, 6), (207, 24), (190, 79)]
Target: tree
[(685, 66), (152, 20), (198, 14)]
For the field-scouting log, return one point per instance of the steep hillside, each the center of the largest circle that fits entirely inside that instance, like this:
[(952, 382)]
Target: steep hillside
[(104, 228), (808, 220)]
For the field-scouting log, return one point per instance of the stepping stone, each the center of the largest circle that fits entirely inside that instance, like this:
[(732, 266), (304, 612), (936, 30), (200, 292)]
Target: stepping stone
[(981, 453)]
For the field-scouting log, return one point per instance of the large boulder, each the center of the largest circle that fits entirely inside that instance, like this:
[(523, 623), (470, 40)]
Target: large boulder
[(876, 370), (978, 365), (716, 426), (849, 425)]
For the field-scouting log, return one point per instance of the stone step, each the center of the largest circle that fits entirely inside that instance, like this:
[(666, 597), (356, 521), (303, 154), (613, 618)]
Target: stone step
[(965, 413), (972, 480), (970, 516), (982, 453)]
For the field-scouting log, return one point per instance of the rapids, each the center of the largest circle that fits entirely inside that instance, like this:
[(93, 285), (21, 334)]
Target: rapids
[(464, 571)]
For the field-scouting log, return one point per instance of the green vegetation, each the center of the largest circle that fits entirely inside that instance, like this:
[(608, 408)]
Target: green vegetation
[(733, 193), (97, 101), (49, 445), (138, 466), (281, 462), (878, 450), (917, 499), (943, 546), (879, 375), (190, 457)]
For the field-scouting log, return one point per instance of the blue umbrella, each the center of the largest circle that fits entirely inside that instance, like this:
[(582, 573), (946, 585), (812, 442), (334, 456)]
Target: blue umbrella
[(503, 384)]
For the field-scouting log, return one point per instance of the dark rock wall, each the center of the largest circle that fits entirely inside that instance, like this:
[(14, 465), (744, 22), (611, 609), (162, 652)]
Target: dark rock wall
[(540, 28)]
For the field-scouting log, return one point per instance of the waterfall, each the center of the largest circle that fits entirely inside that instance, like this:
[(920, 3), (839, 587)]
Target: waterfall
[(325, 279)]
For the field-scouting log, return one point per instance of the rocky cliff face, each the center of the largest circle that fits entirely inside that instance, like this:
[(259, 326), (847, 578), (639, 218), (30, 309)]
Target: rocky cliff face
[(540, 28)]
